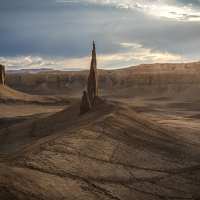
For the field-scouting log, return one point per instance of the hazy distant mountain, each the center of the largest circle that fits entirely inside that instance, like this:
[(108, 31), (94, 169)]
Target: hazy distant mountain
[(28, 70), (41, 70), (73, 69)]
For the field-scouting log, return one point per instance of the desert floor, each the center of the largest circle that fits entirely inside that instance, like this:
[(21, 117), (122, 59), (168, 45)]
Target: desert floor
[(184, 116), (179, 115), (121, 149)]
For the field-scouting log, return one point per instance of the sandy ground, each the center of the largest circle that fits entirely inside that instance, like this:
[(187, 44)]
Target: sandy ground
[(13, 110), (180, 115), (111, 152)]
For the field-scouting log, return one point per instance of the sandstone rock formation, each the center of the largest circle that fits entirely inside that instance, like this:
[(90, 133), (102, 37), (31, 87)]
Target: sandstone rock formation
[(85, 104), (92, 85), (2, 75), (145, 74), (149, 80)]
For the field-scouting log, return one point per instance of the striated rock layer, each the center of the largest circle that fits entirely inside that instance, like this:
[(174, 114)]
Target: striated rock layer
[(151, 80), (2, 75), (145, 74)]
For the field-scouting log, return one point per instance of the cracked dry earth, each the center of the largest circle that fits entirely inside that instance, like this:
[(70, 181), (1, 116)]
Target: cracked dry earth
[(108, 153)]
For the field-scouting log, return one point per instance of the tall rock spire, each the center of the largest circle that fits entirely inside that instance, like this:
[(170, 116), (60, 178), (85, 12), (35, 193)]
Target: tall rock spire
[(92, 85), (2, 75)]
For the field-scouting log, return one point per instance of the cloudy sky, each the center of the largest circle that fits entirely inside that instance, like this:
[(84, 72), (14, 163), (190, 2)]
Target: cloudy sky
[(58, 34)]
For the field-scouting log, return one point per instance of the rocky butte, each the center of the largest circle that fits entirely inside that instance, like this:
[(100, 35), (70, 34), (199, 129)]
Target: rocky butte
[(92, 85), (2, 75)]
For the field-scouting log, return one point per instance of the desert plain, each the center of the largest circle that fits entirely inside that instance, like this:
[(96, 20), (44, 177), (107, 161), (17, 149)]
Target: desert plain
[(140, 140)]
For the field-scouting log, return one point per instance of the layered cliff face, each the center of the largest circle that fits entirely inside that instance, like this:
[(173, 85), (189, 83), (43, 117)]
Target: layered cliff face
[(128, 81), (2, 75), (55, 81)]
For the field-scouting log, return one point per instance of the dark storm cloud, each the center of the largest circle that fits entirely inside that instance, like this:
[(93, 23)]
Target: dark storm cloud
[(163, 36), (50, 29)]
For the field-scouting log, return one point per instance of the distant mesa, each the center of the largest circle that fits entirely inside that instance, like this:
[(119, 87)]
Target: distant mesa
[(2, 75), (14, 71), (29, 70), (120, 83), (92, 85), (73, 69)]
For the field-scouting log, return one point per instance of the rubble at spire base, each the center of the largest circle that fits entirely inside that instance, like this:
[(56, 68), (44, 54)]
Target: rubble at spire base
[(92, 85)]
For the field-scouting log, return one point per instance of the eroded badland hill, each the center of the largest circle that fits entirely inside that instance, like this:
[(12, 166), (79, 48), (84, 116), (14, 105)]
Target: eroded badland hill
[(108, 153)]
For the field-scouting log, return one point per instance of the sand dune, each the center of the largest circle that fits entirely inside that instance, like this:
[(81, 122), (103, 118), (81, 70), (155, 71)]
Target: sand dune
[(108, 153)]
